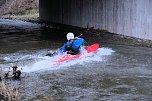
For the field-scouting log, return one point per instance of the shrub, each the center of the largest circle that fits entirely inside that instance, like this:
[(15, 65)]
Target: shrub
[(8, 93), (18, 7)]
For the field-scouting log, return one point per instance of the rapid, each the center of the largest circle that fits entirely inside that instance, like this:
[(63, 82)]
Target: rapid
[(113, 73)]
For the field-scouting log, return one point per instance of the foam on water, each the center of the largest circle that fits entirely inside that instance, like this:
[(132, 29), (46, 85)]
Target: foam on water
[(20, 24), (40, 62)]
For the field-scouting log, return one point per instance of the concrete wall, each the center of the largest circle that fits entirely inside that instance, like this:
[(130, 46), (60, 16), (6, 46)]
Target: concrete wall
[(126, 17)]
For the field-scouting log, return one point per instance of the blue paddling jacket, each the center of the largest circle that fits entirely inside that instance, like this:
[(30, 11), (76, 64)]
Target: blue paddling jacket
[(75, 45)]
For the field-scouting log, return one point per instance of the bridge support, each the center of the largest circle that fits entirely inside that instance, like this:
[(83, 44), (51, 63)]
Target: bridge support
[(126, 17)]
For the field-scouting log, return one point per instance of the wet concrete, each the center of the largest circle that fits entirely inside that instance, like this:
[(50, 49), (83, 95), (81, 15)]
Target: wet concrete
[(123, 75)]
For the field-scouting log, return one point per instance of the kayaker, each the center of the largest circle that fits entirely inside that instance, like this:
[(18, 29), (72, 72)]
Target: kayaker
[(72, 46), (16, 73)]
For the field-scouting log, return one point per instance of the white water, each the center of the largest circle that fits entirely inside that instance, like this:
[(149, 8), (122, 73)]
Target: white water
[(19, 24), (37, 61)]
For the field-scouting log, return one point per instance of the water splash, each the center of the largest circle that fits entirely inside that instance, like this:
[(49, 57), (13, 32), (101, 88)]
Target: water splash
[(37, 61), (48, 62), (19, 23)]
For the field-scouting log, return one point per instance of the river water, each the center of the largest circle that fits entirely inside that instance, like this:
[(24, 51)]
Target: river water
[(113, 73)]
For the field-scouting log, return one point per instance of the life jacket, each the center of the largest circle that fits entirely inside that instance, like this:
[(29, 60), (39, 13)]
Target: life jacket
[(75, 45)]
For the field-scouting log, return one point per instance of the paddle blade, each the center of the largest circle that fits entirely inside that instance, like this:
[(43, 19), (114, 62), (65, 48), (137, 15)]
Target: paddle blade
[(92, 48)]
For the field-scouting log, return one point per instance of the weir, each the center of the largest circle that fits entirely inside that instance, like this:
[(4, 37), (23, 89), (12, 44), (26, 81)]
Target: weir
[(125, 17)]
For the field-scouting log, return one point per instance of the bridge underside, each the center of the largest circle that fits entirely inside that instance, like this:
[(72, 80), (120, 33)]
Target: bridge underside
[(126, 17)]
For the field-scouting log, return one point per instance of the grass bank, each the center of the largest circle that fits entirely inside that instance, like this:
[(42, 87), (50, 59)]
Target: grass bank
[(20, 9)]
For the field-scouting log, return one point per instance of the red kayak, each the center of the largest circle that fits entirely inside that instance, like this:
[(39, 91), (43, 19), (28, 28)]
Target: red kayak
[(68, 57)]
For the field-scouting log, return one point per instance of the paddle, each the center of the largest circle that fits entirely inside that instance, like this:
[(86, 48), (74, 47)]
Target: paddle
[(51, 54)]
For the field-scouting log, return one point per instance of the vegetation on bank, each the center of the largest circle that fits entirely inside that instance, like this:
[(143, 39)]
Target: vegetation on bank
[(8, 93), (24, 9)]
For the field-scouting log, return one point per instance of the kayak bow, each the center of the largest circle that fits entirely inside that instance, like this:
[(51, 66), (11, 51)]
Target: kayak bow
[(67, 57)]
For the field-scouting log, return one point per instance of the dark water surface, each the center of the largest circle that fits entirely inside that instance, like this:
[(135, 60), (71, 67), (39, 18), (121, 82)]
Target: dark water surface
[(114, 73)]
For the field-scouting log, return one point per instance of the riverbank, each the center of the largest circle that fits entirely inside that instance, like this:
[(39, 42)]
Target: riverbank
[(8, 93), (30, 16), (19, 9)]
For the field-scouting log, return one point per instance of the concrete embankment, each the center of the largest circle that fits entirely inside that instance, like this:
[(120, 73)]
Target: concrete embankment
[(125, 17), (102, 36)]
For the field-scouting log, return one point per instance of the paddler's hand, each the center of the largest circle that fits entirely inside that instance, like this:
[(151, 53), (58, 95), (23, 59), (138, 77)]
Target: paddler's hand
[(50, 53)]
